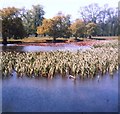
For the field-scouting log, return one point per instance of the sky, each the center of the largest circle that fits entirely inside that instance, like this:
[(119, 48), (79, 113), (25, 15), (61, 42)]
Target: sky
[(52, 7)]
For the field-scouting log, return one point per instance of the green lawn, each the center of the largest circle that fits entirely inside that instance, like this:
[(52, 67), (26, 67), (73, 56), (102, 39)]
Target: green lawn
[(49, 39), (42, 39), (106, 37)]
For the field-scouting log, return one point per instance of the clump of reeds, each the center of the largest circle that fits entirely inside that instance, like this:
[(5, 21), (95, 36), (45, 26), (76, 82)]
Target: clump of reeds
[(87, 63)]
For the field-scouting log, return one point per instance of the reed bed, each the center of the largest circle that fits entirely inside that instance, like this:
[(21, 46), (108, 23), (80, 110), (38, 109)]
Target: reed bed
[(107, 44), (84, 64)]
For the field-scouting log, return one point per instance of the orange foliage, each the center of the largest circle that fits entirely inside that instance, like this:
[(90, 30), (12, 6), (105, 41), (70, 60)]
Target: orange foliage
[(7, 12), (45, 27), (58, 26), (77, 28)]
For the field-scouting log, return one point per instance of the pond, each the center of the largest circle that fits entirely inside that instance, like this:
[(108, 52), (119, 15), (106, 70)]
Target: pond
[(69, 47), (60, 94)]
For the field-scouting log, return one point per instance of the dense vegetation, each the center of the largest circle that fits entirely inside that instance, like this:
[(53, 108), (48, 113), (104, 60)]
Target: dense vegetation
[(99, 59)]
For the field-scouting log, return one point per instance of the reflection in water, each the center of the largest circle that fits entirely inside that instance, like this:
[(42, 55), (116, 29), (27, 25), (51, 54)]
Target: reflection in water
[(65, 47), (12, 48), (60, 94)]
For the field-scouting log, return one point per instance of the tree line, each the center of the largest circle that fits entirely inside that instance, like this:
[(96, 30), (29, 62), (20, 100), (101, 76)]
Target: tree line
[(94, 21)]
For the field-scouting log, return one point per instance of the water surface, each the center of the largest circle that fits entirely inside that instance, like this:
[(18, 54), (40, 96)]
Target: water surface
[(69, 47), (60, 94)]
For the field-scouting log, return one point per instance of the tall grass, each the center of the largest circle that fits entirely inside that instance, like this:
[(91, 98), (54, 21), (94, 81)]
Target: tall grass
[(85, 64)]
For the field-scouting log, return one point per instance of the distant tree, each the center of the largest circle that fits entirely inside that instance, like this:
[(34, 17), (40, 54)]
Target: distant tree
[(11, 24), (17, 27), (33, 18), (90, 29), (90, 13), (105, 17), (27, 20), (0, 27), (56, 27), (45, 28), (112, 21), (64, 25), (119, 20), (108, 21), (61, 24), (78, 28)]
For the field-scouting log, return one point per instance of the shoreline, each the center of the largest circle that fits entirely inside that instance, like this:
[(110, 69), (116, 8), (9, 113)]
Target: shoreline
[(83, 43)]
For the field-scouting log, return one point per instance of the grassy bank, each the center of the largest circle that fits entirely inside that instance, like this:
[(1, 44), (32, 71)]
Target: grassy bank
[(41, 39), (50, 39)]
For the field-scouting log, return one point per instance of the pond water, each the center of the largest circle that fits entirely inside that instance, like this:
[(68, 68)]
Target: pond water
[(70, 47), (60, 94)]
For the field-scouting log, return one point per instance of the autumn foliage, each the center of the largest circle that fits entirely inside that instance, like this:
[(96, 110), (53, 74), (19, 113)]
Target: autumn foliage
[(78, 28), (45, 28), (56, 27), (60, 26)]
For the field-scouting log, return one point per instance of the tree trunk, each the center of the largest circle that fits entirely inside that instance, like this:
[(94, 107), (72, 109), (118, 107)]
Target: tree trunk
[(75, 37), (36, 34), (89, 36), (54, 39), (4, 41)]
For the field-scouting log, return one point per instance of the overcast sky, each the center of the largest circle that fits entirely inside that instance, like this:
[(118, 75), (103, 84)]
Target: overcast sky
[(52, 7)]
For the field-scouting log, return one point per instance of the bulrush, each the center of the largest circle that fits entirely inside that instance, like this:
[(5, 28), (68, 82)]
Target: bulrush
[(88, 63)]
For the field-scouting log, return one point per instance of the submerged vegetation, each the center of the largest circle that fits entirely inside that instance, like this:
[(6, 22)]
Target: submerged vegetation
[(97, 60)]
